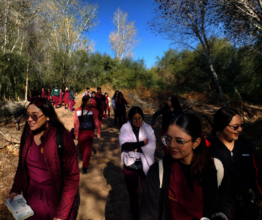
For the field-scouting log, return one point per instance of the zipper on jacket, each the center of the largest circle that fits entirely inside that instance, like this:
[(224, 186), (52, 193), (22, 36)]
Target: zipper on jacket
[(231, 153), (50, 173)]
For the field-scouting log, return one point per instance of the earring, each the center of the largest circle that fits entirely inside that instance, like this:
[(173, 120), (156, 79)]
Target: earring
[(194, 148)]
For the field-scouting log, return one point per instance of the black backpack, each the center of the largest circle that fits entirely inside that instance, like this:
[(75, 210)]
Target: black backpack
[(60, 148)]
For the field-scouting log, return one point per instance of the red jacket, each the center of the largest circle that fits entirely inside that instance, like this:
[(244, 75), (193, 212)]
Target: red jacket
[(78, 113), (94, 103), (101, 100), (66, 94), (121, 104), (71, 171)]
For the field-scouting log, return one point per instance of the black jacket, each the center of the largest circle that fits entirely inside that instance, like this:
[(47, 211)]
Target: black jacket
[(71, 95), (154, 203), (242, 165), (167, 116)]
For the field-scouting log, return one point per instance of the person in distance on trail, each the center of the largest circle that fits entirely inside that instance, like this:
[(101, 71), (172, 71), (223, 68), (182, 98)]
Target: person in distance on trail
[(66, 96), (39, 174), (114, 105), (48, 94), (96, 104), (108, 104), (239, 159), (55, 95), (43, 93), (121, 109), (138, 143), (188, 183), (101, 103), (171, 110), (34, 92), (85, 122), (71, 99), (61, 98), (87, 92)]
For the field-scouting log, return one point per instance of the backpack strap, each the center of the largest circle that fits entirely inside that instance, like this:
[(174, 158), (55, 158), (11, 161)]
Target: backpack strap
[(60, 149), (161, 172), (220, 171)]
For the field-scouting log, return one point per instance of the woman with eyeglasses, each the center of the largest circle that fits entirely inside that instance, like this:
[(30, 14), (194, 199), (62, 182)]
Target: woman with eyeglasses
[(171, 110), (138, 143), (239, 159), (49, 190), (187, 184)]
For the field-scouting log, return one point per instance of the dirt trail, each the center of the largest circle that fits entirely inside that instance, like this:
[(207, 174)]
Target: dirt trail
[(102, 190)]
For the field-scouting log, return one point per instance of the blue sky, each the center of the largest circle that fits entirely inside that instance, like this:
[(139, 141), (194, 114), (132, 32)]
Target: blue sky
[(140, 11)]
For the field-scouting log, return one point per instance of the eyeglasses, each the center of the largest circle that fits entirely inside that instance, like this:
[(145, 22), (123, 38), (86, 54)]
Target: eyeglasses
[(235, 128), (34, 117), (179, 143), (137, 119)]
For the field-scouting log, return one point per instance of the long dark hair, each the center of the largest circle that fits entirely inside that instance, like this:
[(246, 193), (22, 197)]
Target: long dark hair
[(46, 107), (118, 95), (202, 164), (222, 118), (115, 94), (175, 103), (133, 111), (84, 101)]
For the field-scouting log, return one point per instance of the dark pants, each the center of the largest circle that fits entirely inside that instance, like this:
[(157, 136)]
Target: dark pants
[(121, 119), (115, 117), (132, 184), (85, 142)]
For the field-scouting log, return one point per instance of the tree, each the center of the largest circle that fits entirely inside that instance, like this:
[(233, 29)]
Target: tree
[(123, 39), (187, 21), (69, 22), (242, 18)]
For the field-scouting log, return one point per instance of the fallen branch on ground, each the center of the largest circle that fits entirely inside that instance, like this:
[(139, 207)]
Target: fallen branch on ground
[(9, 139)]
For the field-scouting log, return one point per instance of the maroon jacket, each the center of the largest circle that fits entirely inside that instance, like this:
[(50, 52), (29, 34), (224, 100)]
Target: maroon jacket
[(71, 171)]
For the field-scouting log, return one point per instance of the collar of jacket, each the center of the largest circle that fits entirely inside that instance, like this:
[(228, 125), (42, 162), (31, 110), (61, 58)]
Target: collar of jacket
[(213, 138), (48, 133), (44, 138), (209, 192)]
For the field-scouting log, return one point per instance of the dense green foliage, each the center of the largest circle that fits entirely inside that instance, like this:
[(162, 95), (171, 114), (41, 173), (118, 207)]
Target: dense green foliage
[(237, 69), (181, 71)]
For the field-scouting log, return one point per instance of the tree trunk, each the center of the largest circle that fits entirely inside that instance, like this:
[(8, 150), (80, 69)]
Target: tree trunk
[(26, 84), (217, 82)]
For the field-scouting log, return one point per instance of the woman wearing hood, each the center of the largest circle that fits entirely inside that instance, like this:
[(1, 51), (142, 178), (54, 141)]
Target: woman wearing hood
[(171, 110)]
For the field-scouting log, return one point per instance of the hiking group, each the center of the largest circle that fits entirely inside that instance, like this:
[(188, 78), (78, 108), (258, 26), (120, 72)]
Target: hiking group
[(215, 177)]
